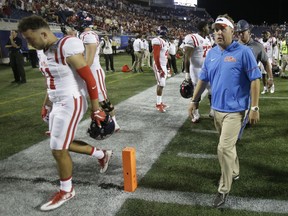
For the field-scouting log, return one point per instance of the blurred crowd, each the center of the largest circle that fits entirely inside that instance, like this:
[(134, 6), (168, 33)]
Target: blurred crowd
[(113, 16), (119, 17)]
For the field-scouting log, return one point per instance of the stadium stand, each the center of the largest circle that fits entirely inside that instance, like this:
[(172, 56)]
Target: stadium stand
[(114, 17)]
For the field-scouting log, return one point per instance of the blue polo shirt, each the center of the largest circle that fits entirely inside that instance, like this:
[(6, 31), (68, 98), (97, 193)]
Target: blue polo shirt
[(230, 73)]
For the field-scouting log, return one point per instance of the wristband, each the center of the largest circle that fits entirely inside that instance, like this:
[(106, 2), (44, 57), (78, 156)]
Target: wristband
[(255, 108)]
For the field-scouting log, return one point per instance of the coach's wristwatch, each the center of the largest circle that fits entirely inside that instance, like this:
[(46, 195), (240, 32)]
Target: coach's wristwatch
[(255, 108)]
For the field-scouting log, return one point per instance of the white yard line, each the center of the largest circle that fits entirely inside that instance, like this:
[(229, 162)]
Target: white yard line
[(187, 198), (197, 156), (274, 98)]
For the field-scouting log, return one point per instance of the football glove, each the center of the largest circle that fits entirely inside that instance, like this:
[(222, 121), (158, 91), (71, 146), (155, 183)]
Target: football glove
[(45, 111), (99, 116)]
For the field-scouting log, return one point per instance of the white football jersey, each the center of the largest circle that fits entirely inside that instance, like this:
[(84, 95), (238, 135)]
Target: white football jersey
[(200, 45), (268, 46), (138, 45), (163, 51), (61, 79), (42, 59), (89, 37)]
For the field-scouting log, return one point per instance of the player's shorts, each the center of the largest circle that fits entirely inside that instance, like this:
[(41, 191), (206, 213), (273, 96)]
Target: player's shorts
[(161, 81), (194, 75), (261, 66), (64, 119)]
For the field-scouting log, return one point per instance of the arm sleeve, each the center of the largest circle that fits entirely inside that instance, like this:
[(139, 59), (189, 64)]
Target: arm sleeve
[(86, 74)]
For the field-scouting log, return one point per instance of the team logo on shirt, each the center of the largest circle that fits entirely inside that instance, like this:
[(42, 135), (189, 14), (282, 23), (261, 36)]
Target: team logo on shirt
[(229, 59)]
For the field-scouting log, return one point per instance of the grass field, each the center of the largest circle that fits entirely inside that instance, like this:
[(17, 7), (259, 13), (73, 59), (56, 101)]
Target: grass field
[(20, 106), (262, 150)]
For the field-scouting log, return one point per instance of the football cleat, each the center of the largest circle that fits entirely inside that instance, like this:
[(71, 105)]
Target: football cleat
[(160, 108), (165, 105), (58, 199), (265, 90), (272, 89), (104, 162)]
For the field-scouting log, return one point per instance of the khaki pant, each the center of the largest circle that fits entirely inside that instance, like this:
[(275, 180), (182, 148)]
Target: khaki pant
[(138, 61), (284, 62), (228, 126)]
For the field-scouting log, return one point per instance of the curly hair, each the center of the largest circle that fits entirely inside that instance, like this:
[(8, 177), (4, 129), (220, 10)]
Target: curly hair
[(32, 22)]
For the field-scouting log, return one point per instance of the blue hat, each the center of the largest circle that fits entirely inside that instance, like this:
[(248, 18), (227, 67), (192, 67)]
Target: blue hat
[(162, 30), (242, 25)]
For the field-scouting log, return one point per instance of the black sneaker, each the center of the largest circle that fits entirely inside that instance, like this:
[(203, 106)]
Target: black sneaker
[(219, 200)]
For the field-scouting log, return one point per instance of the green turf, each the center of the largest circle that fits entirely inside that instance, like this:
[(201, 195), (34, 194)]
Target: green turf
[(20, 120), (133, 207), (262, 150), (262, 153)]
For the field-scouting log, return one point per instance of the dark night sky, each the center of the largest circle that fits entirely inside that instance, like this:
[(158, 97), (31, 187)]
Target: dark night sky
[(255, 12)]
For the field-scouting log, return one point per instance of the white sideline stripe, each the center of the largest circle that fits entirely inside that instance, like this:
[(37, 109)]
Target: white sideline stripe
[(204, 131), (232, 202), (278, 98), (200, 156)]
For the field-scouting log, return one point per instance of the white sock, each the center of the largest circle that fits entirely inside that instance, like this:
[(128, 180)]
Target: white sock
[(99, 154), (114, 119), (159, 99), (66, 184)]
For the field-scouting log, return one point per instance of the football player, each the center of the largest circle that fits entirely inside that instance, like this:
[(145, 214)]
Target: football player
[(160, 55), (92, 50), (269, 42), (196, 47), (67, 74)]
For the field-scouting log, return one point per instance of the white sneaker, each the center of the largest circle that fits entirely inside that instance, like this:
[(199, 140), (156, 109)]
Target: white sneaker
[(272, 89), (196, 116), (59, 199), (264, 90), (104, 162)]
